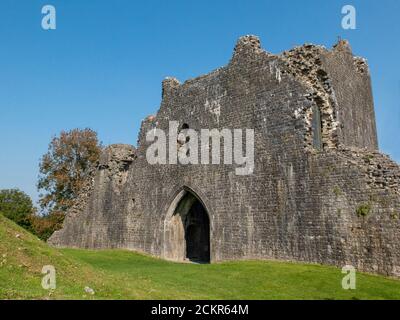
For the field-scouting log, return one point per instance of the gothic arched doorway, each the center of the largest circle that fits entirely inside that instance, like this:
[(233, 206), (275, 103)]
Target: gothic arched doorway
[(187, 230)]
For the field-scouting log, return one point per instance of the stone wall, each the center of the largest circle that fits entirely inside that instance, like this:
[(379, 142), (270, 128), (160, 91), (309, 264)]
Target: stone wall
[(337, 205)]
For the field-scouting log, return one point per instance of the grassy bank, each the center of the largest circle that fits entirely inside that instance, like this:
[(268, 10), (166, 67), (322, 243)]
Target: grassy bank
[(119, 274)]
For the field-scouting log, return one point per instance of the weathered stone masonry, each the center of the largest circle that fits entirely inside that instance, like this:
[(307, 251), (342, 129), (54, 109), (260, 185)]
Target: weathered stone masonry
[(320, 192)]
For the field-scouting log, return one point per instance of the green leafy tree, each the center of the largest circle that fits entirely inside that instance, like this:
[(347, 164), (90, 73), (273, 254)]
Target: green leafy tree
[(65, 168), (17, 206)]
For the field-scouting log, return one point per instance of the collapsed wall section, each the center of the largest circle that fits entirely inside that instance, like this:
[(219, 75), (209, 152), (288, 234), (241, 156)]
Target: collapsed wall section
[(339, 86), (350, 78), (96, 220), (304, 63)]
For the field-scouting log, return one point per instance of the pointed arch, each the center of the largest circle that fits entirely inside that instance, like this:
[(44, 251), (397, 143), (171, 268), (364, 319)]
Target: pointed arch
[(187, 228)]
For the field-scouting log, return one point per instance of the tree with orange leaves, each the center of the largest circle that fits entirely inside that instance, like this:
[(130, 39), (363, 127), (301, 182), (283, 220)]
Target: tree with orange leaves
[(65, 168)]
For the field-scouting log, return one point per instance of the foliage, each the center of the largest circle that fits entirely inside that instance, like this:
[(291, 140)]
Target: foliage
[(65, 168), (44, 226), (16, 206)]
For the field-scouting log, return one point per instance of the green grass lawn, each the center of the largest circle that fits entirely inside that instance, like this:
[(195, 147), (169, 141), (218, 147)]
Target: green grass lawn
[(120, 274)]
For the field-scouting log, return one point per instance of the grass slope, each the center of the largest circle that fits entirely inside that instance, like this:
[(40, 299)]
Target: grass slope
[(119, 274)]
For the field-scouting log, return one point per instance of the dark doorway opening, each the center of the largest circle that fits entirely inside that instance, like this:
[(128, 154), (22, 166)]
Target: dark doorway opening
[(187, 229), (197, 234)]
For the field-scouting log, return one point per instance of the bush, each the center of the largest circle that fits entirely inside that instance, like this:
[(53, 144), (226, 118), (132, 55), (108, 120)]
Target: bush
[(44, 226), (17, 206)]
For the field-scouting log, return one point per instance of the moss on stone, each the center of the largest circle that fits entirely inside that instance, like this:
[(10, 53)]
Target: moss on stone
[(337, 191), (363, 210)]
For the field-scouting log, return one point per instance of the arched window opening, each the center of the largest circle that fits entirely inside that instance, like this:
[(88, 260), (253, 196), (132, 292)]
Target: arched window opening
[(317, 128)]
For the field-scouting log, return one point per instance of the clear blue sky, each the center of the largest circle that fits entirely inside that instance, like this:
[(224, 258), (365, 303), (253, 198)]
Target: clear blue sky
[(102, 67)]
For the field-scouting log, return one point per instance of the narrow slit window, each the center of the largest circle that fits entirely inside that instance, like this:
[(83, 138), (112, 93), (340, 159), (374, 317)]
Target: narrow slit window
[(316, 128)]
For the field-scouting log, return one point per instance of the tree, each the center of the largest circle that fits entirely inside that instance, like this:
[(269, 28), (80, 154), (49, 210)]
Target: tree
[(65, 168), (17, 206), (44, 226)]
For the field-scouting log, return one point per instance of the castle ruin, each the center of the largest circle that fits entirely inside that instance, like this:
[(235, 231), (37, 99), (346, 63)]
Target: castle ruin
[(320, 190)]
